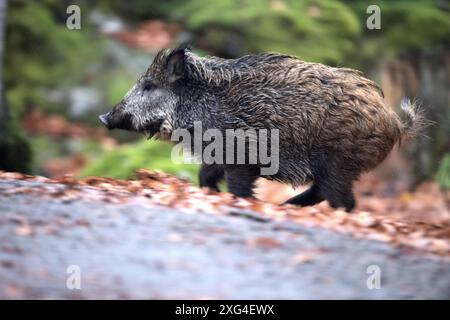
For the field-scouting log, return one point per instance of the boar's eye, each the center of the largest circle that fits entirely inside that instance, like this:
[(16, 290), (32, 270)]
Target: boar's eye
[(148, 85)]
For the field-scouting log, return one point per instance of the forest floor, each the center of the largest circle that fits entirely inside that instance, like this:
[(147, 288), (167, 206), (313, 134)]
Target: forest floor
[(159, 237)]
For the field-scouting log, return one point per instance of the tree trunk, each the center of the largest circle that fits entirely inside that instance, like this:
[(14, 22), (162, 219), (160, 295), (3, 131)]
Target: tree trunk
[(4, 112), (15, 150)]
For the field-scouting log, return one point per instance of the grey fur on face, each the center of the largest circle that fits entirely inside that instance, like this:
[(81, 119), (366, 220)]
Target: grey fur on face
[(333, 122)]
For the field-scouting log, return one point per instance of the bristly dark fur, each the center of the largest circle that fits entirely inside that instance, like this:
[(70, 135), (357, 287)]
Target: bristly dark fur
[(333, 122)]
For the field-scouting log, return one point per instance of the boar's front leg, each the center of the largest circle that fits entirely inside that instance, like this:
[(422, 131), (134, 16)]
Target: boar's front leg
[(241, 180), (210, 176)]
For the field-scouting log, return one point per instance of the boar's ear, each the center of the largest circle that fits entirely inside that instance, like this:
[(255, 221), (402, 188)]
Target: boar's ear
[(175, 64)]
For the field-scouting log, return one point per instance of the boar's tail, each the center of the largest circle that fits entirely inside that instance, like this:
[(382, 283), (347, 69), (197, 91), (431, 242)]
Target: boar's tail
[(415, 122)]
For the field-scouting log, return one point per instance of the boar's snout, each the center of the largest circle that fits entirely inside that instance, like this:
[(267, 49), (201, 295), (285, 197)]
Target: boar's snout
[(106, 120)]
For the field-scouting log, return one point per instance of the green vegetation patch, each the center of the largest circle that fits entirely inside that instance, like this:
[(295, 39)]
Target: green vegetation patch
[(123, 161)]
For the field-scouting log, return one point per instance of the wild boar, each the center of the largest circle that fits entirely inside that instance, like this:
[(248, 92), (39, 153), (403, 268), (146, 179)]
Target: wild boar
[(332, 122)]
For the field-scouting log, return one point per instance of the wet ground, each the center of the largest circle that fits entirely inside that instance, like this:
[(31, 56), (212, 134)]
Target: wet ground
[(136, 249)]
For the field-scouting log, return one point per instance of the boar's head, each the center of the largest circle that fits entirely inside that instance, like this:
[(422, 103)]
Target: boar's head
[(149, 105)]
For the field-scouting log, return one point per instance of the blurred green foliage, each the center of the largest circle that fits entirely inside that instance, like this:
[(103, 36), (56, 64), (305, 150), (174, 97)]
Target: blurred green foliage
[(123, 161), (406, 26), (137, 10), (443, 174), (329, 31), (325, 31), (42, 53)]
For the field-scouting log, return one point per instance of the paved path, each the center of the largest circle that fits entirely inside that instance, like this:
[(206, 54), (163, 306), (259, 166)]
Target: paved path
[(137, 250)]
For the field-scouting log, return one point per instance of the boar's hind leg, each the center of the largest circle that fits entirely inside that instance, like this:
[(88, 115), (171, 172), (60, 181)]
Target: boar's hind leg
[(308, 197), (210, 176), (335, 185), (241, 180), (331, 183), (339, 194)]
